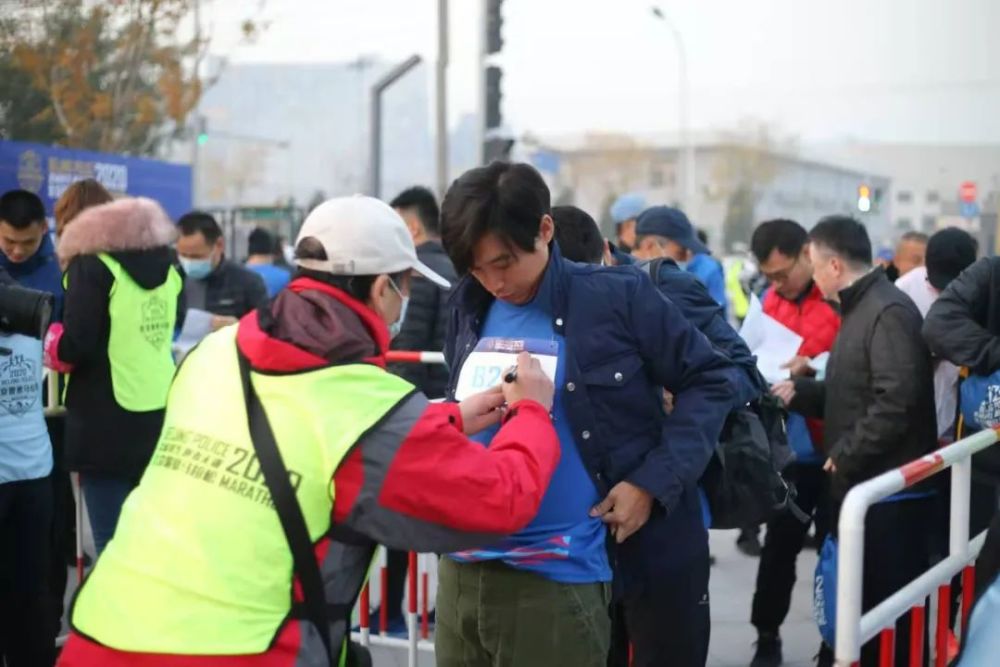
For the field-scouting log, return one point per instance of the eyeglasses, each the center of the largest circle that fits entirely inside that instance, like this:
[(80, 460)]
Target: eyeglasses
[(782, 275)]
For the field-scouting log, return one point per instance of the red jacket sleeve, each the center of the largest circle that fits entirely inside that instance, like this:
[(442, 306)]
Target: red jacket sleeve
[(417, 482)]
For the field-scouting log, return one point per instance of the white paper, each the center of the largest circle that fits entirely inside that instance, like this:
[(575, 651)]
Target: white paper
[(485, 370), (770, 341), (818, 364), (197, 325)]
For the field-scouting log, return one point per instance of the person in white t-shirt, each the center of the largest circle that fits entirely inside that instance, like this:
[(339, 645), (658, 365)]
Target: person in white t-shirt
[(949, 252)]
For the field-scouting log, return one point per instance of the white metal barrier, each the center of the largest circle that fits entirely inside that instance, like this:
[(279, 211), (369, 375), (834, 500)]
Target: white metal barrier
[(853, 628)]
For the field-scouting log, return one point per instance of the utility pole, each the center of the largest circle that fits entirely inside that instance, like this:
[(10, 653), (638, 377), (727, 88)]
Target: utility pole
[(199, 130), (686, 152), (441, 100), (375, 125)]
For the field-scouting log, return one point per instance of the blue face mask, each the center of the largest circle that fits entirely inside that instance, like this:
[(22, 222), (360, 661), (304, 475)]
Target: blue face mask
[(196, 268), (397, 326)]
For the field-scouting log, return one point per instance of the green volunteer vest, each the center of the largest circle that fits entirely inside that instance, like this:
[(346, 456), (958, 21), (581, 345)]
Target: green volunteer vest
[(199, 564), (139, 344)]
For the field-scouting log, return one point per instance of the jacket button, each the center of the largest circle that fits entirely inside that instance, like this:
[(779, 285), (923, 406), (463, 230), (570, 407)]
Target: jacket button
[(559, 322), (570, 386), (618, 377), (585, 435)]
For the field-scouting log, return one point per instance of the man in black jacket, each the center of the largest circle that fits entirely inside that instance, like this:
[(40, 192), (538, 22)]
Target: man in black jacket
[(963, 326), (877, 403), (212, 282), (427, 313)]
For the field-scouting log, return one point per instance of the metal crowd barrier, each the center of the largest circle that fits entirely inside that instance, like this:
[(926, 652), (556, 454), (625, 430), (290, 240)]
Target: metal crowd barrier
[(853, 628)]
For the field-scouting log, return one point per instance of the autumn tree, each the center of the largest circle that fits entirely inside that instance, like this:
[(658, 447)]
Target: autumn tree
[(749, 159), (119, 76)]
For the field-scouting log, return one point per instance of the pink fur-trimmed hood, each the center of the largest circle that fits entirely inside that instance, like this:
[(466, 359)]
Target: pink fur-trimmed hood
[(133, 223)]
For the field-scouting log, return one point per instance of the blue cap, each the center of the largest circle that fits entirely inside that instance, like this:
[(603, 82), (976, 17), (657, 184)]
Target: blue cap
[(670, 223), (884, 254), (627, 207)]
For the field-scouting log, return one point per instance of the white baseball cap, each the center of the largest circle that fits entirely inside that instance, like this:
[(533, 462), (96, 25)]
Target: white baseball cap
[(362, 236)]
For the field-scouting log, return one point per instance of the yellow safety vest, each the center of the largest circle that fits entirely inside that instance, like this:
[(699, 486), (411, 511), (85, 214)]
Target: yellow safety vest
[(142, 328), (199, 564), (737, 297)]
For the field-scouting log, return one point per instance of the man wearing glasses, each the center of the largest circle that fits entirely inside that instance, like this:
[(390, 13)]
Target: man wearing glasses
[(782, 251)]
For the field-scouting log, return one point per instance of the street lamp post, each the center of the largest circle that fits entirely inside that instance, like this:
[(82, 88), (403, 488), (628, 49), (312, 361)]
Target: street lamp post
[(684, 102)]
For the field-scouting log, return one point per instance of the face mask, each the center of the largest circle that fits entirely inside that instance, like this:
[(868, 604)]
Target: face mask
[(196, 268), (397, 326)]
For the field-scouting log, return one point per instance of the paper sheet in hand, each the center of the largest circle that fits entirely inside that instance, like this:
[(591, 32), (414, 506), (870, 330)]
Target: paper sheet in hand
[(197, 325), (770, 341)]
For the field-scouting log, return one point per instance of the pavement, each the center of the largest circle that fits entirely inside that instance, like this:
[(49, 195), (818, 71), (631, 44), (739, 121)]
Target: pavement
[(732, 586)]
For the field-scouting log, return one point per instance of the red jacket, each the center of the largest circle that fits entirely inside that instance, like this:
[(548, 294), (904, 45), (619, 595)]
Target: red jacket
[(811, 317), (433, 490)]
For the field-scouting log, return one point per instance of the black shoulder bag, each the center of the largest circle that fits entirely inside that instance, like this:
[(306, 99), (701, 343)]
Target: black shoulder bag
[(289, 512)]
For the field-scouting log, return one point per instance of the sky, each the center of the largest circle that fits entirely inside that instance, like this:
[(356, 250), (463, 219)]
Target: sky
[(818, 70)]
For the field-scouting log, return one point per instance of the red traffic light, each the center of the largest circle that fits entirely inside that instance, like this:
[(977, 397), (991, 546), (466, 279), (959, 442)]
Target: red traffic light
[(968, 192)]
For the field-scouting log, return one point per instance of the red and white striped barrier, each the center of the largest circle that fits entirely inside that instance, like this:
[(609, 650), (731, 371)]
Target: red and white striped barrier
[(855, 628)]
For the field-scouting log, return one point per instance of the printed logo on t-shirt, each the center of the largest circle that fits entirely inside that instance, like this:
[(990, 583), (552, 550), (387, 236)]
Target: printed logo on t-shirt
[(19, 386), (155, 327)]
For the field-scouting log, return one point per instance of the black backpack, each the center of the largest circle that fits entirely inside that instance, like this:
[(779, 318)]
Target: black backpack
[(743, 481)]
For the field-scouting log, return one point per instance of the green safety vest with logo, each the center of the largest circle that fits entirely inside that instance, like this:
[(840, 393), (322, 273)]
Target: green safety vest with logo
[(199, 564), (139, 344)]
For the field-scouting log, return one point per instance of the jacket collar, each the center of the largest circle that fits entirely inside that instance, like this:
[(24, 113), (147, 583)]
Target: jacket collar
[(472, 300), (44, 255), (271, 354), (851, 296)]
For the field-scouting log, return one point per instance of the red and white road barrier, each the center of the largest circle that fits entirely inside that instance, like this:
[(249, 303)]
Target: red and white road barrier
[(405, 357), (855, 628)]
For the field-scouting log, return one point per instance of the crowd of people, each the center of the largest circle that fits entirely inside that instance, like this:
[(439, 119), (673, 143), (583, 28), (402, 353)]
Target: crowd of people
[(236, 500)]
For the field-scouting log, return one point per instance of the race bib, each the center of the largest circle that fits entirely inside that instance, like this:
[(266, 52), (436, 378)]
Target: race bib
[(493, 357)]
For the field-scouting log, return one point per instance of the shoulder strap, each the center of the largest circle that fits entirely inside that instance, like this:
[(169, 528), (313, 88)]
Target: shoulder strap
[(652, 269), (292, 521)]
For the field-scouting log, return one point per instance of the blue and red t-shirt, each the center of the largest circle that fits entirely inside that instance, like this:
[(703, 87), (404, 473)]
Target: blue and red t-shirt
[(563, 542)]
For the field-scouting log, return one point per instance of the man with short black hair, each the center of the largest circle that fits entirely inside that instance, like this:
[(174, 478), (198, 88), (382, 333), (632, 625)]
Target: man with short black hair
[(877, 403), (578, 235), (212, 282), (427, 312), (612, 343), (781, 248), (262, 249), (26, 248)]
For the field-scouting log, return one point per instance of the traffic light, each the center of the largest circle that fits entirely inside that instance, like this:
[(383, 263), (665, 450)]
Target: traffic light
[(864, 198), (201, 130), (494, 22), (493, 95)]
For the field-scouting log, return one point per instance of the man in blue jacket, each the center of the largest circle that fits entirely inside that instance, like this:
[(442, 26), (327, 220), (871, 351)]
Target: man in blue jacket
[(662, 231), (26, 249), (575, 231), (612, 343)]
